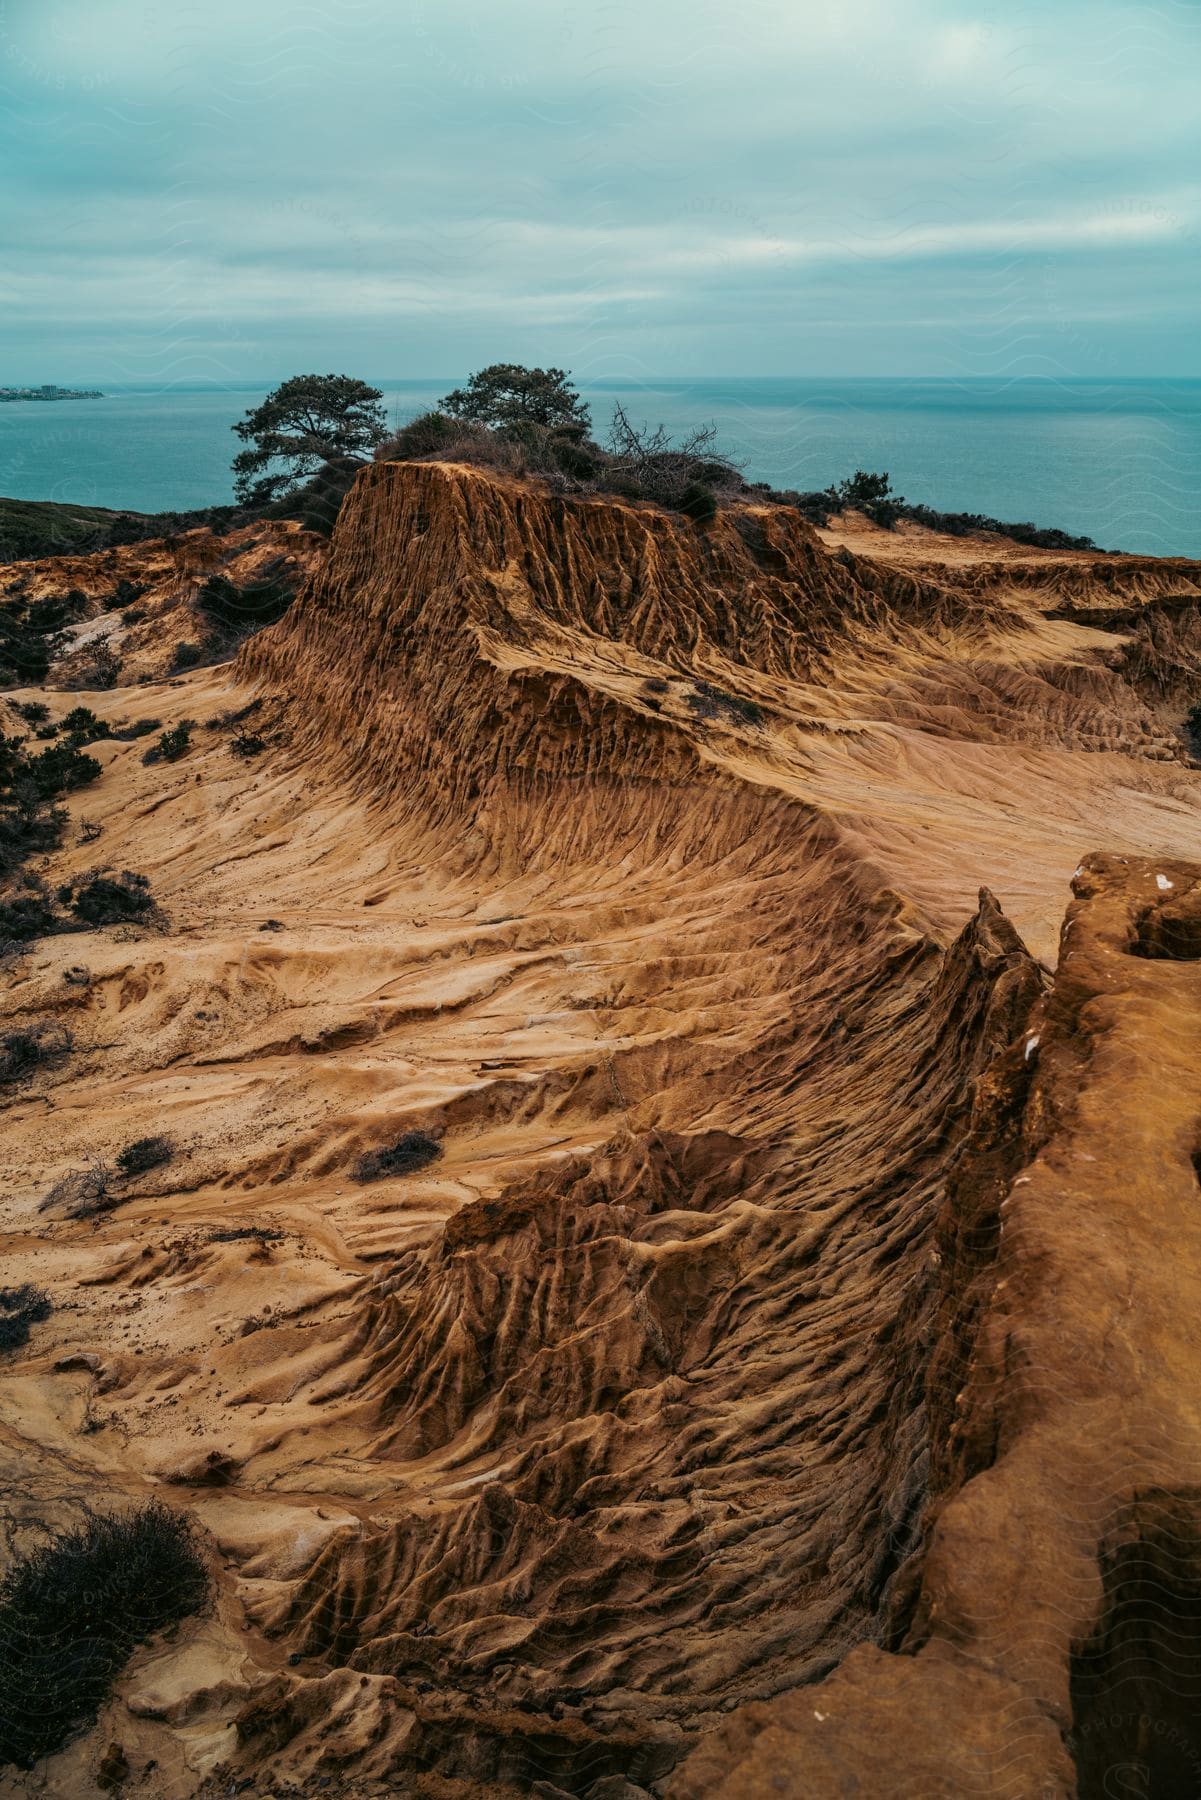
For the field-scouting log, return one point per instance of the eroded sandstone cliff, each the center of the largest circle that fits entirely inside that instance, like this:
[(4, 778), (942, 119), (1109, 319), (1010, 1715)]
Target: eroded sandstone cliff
[(781, 1375)]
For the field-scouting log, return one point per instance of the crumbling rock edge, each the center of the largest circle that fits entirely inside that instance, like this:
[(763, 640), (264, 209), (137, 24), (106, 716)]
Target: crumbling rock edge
[(1053, 1635)]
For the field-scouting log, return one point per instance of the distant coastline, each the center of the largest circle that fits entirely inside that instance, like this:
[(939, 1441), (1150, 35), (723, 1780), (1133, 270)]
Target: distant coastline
[(49, 392)]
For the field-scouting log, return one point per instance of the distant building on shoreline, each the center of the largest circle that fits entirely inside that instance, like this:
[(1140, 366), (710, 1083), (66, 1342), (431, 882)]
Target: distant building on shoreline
[(48, 391)]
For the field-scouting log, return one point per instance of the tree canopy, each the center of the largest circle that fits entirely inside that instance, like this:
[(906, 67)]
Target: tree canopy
[(506, 395), (304, 424)]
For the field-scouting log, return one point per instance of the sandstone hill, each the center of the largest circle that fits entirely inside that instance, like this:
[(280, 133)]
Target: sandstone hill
[(773, 1369)]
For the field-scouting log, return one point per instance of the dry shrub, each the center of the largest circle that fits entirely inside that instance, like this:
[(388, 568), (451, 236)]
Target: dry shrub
[(145, 1153), (72, 1611), (415, 1150), (82, 1193), (33, 1047), (21, 1307)]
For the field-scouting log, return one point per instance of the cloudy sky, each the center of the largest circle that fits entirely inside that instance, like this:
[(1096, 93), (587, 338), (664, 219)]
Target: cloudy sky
[(240, 188)]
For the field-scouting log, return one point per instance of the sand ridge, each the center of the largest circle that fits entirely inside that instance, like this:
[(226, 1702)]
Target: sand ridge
[(640, 865)]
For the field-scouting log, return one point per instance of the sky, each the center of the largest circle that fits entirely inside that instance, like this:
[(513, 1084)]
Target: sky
[(242, 189)]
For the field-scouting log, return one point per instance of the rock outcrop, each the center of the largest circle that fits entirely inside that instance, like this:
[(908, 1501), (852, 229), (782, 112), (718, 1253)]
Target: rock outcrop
[(777, 1377)]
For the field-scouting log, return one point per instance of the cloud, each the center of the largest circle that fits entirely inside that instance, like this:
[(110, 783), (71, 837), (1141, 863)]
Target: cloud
[(411, 186)]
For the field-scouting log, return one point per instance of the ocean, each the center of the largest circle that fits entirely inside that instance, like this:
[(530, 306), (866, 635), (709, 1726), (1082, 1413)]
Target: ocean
[(1119, 461)]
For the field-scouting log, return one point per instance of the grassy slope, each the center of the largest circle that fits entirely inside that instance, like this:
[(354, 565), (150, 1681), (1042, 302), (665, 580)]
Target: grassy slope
[(46, 528)]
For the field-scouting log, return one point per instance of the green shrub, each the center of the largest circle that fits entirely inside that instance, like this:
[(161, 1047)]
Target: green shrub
[(27, 912), (186, 656), (61, 769), (871, 494), (125, 734), (72, 1611), (699, 502), (1042, 537), (29, 822), (428, 435), (31, 630), (83, 725), (99, 899), (53, 611), (27, 828), (238, 612), (173, 744)]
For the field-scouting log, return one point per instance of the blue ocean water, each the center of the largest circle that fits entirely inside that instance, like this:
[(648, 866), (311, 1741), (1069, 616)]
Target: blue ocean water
[(1119, 461)]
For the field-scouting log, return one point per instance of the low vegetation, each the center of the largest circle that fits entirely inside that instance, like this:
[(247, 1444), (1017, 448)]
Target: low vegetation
[(144, 1154), (872, 495), (243, 1234), (173, 744), (37, 1046), (1192, 729), (31, 529), (35, 773), (186, 655), (27, 912), (82, 726), (82, 1193), (32, 631), (138, 728), (686, 477), (99, 669), (99, 1186), (709, 702), (415, 1150), (73, 1610), (236, 612), (532, 422), (21, 1307), (98, 898), (31, 781)]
